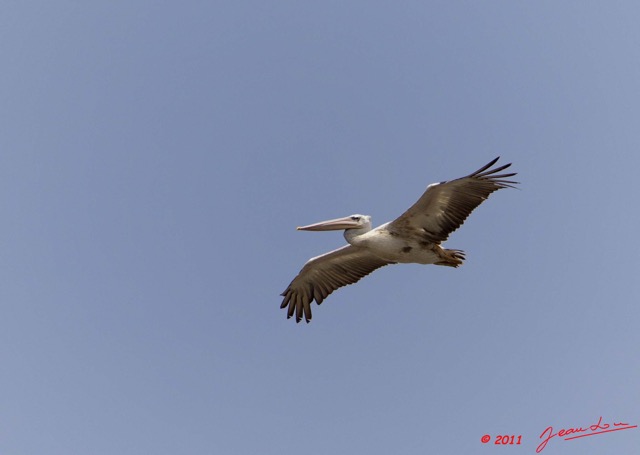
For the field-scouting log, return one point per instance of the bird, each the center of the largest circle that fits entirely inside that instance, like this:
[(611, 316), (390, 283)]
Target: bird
[(416, 236)]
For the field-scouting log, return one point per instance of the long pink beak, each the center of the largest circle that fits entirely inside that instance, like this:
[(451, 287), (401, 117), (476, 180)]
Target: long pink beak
[(332, 225)]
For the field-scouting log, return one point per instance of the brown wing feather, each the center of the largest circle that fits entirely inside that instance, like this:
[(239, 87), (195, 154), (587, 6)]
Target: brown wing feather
[(324, 274), (445, 206)]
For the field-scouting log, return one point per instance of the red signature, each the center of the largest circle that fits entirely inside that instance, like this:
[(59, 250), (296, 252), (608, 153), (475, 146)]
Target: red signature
[(598, 428)]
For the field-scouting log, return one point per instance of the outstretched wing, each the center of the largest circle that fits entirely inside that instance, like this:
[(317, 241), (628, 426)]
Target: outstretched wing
[(322, 275), (445, 206)]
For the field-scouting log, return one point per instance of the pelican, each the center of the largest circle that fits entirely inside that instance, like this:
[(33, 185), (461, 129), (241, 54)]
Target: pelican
[(414, 237)]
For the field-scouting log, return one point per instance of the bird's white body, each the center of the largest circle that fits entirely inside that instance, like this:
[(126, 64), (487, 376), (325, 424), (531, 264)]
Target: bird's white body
[(388, 245)]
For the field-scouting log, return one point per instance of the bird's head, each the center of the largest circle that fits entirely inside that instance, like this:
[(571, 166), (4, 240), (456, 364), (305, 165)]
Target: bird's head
[(356, 222)]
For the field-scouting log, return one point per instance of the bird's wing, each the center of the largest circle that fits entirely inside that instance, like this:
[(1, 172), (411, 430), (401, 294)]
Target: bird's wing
[(322, 275), (444, 206)]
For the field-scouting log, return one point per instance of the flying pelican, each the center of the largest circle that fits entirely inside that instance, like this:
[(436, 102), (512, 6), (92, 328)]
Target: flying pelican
[(413, 237)]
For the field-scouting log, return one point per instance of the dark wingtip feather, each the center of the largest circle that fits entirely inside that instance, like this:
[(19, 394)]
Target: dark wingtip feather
[(486, 166)]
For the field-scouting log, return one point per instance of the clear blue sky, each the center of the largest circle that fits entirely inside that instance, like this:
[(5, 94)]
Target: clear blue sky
[(156, 157)]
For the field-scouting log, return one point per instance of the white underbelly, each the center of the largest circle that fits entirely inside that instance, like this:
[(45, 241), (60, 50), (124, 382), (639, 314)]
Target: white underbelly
[(418, 255), (397, 249)]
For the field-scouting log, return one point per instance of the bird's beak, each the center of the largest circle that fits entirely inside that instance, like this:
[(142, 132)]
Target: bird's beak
[(332, 225)]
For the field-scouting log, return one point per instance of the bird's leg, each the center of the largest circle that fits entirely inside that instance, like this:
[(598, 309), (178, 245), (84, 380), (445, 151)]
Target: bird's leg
[(450, 258)]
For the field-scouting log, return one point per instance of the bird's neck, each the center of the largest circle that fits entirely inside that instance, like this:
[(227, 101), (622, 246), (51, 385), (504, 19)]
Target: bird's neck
[(352, 235)]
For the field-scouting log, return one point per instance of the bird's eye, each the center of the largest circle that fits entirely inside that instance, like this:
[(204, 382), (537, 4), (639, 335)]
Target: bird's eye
[(355, 218)]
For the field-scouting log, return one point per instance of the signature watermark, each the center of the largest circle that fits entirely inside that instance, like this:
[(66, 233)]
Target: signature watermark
[(579, 432)]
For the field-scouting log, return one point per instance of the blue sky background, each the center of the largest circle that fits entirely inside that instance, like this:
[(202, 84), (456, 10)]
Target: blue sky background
[(156, 157)]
